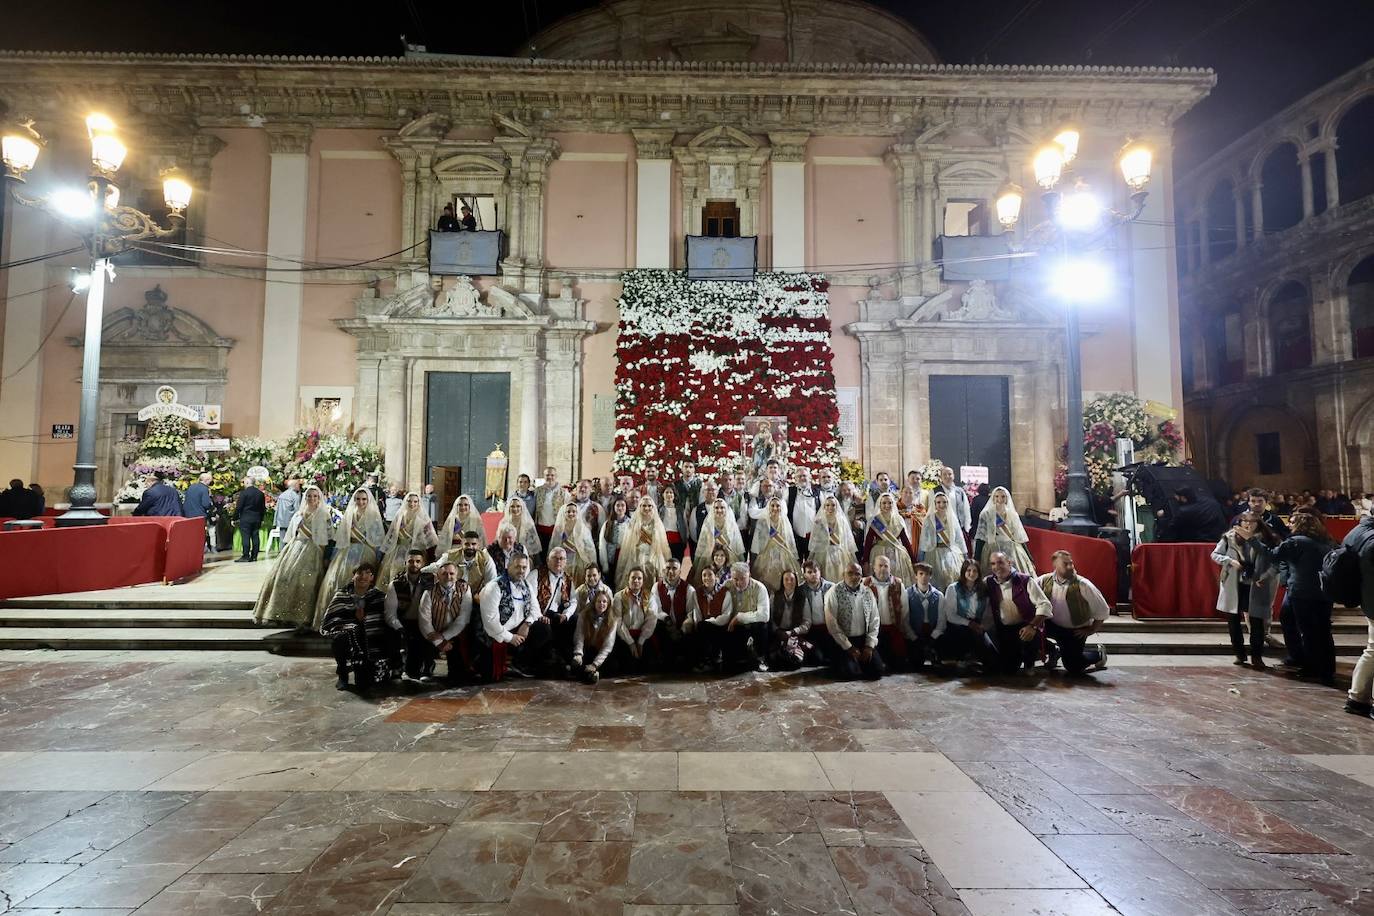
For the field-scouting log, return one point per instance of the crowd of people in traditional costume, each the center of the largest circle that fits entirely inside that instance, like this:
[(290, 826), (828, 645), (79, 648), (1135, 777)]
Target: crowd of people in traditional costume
[(699, 573)]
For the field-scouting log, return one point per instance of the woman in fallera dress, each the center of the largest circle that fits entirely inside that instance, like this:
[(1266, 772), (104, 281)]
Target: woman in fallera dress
[(462, 518), (719, 531), (358, 539), (411, 530), (288, 594), (774, 549), (942, 543), (519, 518), (886, 536), (1000, 529), (645, 547), (832, 545), (613, 535), (571, 533)]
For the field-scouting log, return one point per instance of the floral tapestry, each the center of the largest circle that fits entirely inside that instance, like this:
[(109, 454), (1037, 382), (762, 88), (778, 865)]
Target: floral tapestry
[(697, 357)]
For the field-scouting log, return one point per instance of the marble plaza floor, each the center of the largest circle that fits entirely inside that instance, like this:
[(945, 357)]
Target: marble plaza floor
[(228, 783)]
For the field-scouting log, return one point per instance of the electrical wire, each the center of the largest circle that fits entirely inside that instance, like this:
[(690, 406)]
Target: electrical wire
[(46, 337), (24, 262)]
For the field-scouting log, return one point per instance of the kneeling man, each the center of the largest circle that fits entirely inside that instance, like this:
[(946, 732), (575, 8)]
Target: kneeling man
[(1077, 611)]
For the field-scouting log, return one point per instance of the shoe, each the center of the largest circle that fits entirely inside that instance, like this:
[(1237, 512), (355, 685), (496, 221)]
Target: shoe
[(341, 683), (1356, 708), (763, 665), (243, 560), (1101, 658), (1052, 657), (1258, 663), (1239, 661), (517, 671)]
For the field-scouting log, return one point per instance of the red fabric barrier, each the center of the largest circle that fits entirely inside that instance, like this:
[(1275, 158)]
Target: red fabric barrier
[(185, 554), (56, 560), (1094, 558), (1177, 581), (1338, 526)]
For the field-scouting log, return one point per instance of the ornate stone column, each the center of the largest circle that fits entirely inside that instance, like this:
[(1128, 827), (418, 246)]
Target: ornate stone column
[(392, 414), (1333, 184), (1257, 205), (1305, 167), (530, 461), (1241, 239), (537, 159), (905, 165), (653, 198), (366, 399), (788, 189), (562, 410), (282, 292)]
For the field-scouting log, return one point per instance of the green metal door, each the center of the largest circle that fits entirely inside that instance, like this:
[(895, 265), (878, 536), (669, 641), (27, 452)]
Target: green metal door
[(467, 414)]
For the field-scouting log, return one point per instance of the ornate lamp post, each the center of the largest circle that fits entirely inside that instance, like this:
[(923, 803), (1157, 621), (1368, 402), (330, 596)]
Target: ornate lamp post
[(1077, 223), (108, 229)]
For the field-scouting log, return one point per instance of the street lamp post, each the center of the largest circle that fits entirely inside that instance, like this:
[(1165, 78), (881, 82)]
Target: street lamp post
[(1076, 222), (108, 229)]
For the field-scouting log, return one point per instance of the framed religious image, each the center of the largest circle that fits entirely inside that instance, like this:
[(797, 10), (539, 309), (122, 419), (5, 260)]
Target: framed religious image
[(765, 438)]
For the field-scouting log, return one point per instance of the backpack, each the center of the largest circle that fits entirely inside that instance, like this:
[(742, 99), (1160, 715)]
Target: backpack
[(1341, 580)]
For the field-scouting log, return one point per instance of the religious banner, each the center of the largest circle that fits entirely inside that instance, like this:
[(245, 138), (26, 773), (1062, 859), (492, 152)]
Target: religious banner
[(697, 359), (765, 439)]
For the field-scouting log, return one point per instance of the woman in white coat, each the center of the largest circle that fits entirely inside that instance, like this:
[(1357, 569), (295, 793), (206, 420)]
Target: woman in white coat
[(1249, 580)]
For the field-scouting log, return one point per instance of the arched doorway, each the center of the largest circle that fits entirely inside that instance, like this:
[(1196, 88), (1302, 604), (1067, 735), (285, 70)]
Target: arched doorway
[(1221, 220), (1281, 194)]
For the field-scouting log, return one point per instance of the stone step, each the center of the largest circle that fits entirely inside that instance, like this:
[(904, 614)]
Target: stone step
[(137, 598), (1119, 624), (278, 641), (125, 617)]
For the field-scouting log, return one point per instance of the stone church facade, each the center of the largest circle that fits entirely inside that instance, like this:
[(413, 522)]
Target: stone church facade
[(1277, 290), (827, 128)]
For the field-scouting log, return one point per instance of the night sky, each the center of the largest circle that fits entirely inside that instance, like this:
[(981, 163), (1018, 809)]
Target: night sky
[(1267, 53)]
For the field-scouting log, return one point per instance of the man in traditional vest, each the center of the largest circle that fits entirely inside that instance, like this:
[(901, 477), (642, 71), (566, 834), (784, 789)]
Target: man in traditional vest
[(675, 602), (888, 593), (812, 630), (475, 565), (749, 614), (1020, 609), (513, 635), (552, 589), (503, 548), (549, 498), (446, 624), (403, 612), (1078, 610), (687, 488), (588, 508), (803, 502), (922, 617), (851, 617), (696, 516)]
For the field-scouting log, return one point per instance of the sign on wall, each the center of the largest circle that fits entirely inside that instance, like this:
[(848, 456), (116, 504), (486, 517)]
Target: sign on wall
[(63, 431), (603, 423), (848, 401)]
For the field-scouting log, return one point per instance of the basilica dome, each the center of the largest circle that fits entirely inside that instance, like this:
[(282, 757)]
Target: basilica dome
[(798, 31)]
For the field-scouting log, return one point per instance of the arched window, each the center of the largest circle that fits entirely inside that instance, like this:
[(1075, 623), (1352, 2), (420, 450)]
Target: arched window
[(1355, 151), (1226, 346), (1221, 220), (1290, 327), (1360, 297), (1282, 188)]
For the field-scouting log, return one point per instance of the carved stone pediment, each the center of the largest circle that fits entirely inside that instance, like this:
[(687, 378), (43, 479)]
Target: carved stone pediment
[(433, 126), (424, 296), (157, 323)]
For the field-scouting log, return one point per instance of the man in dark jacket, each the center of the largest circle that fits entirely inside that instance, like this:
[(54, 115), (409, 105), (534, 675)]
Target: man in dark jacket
[(161, 498), (1361, 538), (197, 503), (1257, 501), (19, 501), (1195, 520), (355, 622), (249, 510)]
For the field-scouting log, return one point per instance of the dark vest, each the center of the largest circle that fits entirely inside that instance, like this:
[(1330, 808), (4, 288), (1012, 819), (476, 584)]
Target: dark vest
[(1020, 596), (676, 604), (408, 599)]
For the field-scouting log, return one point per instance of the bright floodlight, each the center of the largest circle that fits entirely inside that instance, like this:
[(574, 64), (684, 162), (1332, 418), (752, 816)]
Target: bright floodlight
[(1135, 166), (1079, 210), (176, 191), (80, 280), (97, 123), (1067, 141), (1048, 165), (1009, 204), (19, 147), (1081, 280), (73, 203)]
